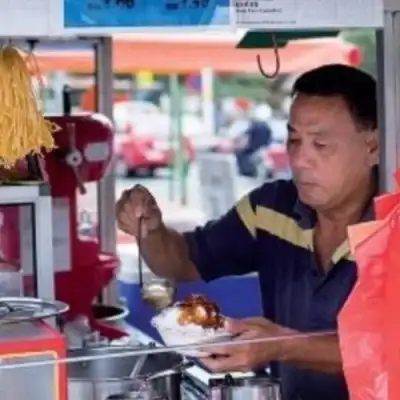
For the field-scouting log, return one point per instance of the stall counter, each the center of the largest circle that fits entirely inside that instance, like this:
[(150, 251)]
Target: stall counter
[(196, 371)]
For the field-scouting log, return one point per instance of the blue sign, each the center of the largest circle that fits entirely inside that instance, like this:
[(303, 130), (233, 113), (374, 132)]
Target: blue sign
[(145, 13)]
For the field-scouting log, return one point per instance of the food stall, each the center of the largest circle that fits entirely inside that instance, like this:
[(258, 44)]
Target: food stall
[(65, 271)]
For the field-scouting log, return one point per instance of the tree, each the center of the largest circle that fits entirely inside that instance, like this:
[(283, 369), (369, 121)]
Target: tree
[(365, 40)]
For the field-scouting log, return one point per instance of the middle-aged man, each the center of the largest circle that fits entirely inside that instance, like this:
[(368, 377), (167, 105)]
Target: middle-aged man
[(293, 233)]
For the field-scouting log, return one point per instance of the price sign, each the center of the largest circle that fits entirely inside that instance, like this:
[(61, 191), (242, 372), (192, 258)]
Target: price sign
[(307, 14), (138, 14)]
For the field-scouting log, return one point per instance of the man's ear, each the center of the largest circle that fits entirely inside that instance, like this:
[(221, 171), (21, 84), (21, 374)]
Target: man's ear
[(372, 143)]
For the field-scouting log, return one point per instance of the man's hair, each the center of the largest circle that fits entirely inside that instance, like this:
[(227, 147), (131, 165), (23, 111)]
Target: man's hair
[(357, 89)]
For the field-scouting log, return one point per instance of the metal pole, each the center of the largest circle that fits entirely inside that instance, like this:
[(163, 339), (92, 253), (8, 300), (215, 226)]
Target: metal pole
[(172, 127), (106, 187), (387, 68), (179, 146), (208, 101), (43, 245), (182, 162), (383, 178)]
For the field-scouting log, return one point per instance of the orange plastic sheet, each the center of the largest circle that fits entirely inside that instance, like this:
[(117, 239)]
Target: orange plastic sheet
[(369, 323), (188, 54)]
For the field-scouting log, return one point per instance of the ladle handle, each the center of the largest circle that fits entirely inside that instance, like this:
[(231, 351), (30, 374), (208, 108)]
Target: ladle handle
[(138, 366), (139, 246), (179, 368)]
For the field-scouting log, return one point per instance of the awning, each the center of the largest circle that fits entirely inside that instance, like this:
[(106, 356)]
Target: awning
[(182, 55)]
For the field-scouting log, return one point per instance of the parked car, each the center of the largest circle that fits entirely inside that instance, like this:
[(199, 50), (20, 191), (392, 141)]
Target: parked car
[(142, 141)]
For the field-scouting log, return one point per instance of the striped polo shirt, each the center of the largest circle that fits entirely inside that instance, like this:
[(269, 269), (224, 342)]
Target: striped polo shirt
[(270, 232)]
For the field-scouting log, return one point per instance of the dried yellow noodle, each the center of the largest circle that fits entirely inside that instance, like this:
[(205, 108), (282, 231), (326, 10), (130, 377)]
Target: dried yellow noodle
[(23, 129)]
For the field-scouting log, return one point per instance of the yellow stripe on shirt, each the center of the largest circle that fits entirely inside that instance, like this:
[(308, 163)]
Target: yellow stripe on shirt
[(247, 215), (283, 227)]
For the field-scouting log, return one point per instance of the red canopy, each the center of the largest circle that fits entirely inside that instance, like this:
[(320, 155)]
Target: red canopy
[(182, 55)]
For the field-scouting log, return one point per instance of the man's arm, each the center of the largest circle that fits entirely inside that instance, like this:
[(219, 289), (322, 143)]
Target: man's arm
[(220, 248), (167, 254), (320, 354)]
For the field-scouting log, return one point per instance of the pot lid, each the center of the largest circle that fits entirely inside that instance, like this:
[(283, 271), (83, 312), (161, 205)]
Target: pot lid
[(18, 309)]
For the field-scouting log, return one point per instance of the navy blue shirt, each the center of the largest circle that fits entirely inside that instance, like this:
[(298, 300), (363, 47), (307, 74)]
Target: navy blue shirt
[(271, 232)]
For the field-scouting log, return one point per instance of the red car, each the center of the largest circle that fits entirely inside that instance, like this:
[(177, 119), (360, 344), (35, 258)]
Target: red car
[(142, 143)]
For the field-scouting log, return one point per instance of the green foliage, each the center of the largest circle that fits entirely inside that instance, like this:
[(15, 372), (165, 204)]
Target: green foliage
[(263, 39), (365, 40)]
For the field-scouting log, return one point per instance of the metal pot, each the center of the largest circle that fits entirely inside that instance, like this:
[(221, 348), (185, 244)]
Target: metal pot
[(111, 315), (100, 378), (255, 388), (140, 391)]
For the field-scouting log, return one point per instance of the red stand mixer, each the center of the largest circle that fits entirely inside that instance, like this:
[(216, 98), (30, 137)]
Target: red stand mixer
[(84, 152)]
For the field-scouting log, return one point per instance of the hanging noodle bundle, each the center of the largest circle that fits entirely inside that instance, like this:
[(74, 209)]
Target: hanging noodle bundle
[(23, 129)]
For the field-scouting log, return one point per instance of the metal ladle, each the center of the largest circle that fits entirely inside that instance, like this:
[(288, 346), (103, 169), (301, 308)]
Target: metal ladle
[(138, 366), (140, 392), (178, 368), (159, 293)]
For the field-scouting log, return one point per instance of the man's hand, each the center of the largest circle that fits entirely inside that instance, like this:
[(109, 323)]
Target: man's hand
[(137, 203), (249, 356)]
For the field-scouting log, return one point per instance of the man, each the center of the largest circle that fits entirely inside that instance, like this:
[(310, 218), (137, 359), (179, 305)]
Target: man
[(294, 234), (257, 135)]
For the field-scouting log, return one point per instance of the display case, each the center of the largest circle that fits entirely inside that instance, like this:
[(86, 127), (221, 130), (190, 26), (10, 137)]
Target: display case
[(26, 240)]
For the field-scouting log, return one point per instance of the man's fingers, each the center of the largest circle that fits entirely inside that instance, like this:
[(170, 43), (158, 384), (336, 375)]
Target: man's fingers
[(228, 350), (224, 364), (141, 195), (235, 326), (133, 204), (139, 211), (239, 326), (121, 202), (220, 350), (122, 209), (124, 227), (144, 230)]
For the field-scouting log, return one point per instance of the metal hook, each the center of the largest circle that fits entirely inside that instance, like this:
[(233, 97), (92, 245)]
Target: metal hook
[(277, 62)]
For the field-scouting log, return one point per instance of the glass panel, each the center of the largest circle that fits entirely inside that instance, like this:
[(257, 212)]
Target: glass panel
[(87, 211), (16, 251)]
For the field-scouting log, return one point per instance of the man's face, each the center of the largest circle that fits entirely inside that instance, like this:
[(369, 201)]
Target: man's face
[(330, 158)]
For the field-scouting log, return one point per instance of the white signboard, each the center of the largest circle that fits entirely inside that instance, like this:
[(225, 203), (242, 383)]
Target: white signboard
[(308, 14), (218, 175), (29, 18)]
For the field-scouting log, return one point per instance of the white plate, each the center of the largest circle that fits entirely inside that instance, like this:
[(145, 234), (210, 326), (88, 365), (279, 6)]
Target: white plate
[(181, 336), (174, 339), (222, 337)]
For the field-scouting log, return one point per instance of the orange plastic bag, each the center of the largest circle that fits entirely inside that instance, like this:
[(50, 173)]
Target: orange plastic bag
[(369, 327)]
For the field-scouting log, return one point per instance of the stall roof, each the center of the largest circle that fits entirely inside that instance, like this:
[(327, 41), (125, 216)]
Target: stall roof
[(190, 53)]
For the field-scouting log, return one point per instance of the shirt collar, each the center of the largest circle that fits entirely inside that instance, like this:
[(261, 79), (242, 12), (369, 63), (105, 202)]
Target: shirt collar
[(306, 217)]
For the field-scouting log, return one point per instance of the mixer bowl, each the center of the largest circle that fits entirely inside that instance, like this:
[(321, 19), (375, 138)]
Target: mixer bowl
[(113, 316)]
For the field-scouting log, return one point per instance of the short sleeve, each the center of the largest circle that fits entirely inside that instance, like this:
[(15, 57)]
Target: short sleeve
[(227, 246)]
